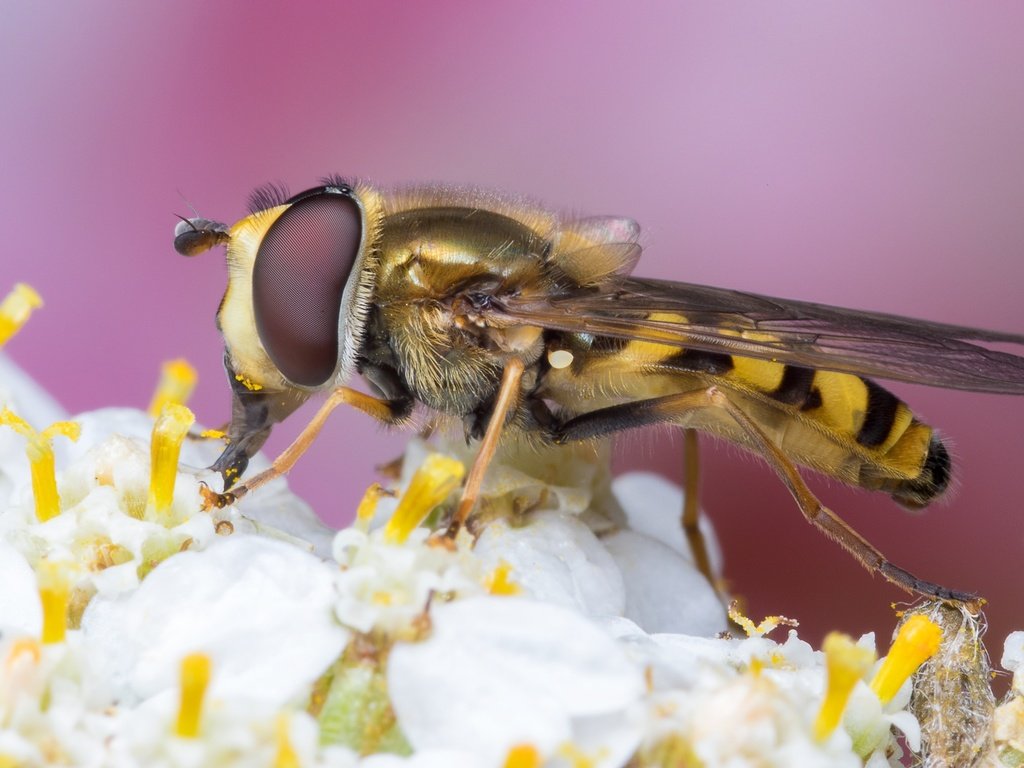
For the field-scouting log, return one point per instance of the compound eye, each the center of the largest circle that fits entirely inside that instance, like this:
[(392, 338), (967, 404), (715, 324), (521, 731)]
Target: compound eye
[(298, 280)]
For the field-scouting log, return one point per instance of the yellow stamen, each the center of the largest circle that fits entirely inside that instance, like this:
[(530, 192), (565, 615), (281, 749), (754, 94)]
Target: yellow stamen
[(214, 434), (195, 677), (846, 663), (368, 505), (168, 433), (916, 642), (40, 457), (498, 582), (54, 594), (523, 756), (436, 478), (15, 310), (767, 624), (177, 380), (285, 757)]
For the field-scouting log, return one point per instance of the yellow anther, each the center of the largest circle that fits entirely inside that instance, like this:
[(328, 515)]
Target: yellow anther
[(177, 380), (523, 756), (168, 433), (214, 434), (40, 458), (916, 642), (498, 582), (846, 663), (23, 646), (54, 593), (368, 505), (767, 624), (285, 756), (436, 478), (15, 310), (195, 677)]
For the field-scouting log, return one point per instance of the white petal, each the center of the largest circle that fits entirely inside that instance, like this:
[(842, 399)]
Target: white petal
[(664, 592), (909, 726), (497, 672), (282, 510), (556, 558), (259, 608), (431, 758), (653, 505), (20, 609), (610, 740), (1013, 651)]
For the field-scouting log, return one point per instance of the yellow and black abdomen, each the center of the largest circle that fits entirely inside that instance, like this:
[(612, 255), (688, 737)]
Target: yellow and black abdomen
[(842, 425)]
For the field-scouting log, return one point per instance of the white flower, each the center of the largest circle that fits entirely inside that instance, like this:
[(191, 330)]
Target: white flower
[(653, 507), (555, 558), (427, 758), (497, 672), (664, 592), (260, 609), (387, 585)]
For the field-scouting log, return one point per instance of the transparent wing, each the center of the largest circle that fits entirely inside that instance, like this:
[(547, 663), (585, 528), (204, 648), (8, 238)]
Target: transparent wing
[(794, 332)]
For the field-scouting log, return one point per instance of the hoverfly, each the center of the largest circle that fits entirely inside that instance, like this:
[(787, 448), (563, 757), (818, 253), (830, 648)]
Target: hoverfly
[(515, 319)]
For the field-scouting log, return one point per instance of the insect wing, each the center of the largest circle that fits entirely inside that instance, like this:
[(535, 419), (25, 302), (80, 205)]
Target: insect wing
[(793, 332)]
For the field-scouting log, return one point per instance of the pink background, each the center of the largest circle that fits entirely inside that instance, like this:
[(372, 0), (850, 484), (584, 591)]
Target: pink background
[(859, 154)]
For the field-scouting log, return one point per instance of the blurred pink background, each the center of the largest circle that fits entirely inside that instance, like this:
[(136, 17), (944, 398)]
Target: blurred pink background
[(860, 154)]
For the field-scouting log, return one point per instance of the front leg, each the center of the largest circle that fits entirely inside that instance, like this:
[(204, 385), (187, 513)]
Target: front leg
[(385, 411), (508, 395)]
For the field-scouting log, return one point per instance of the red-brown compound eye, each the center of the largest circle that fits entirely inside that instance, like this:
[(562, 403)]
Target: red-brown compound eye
[(298, 279)]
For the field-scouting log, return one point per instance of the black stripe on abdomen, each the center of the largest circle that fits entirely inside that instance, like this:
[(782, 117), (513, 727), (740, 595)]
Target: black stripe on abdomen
[(698, 361), (795, 388), (879, 415)]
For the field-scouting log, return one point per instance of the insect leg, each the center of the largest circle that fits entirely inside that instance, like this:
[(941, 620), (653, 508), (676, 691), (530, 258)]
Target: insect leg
[(691, 505), (387, 411), (675, 407), (506, 398)]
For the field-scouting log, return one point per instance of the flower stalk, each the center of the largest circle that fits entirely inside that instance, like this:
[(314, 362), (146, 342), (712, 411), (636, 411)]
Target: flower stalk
[(177, 382), (41, 460), (15, 310), (169, 432)]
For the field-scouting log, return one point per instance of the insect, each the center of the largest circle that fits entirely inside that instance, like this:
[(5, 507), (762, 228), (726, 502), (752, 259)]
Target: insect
[(514, 318)]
